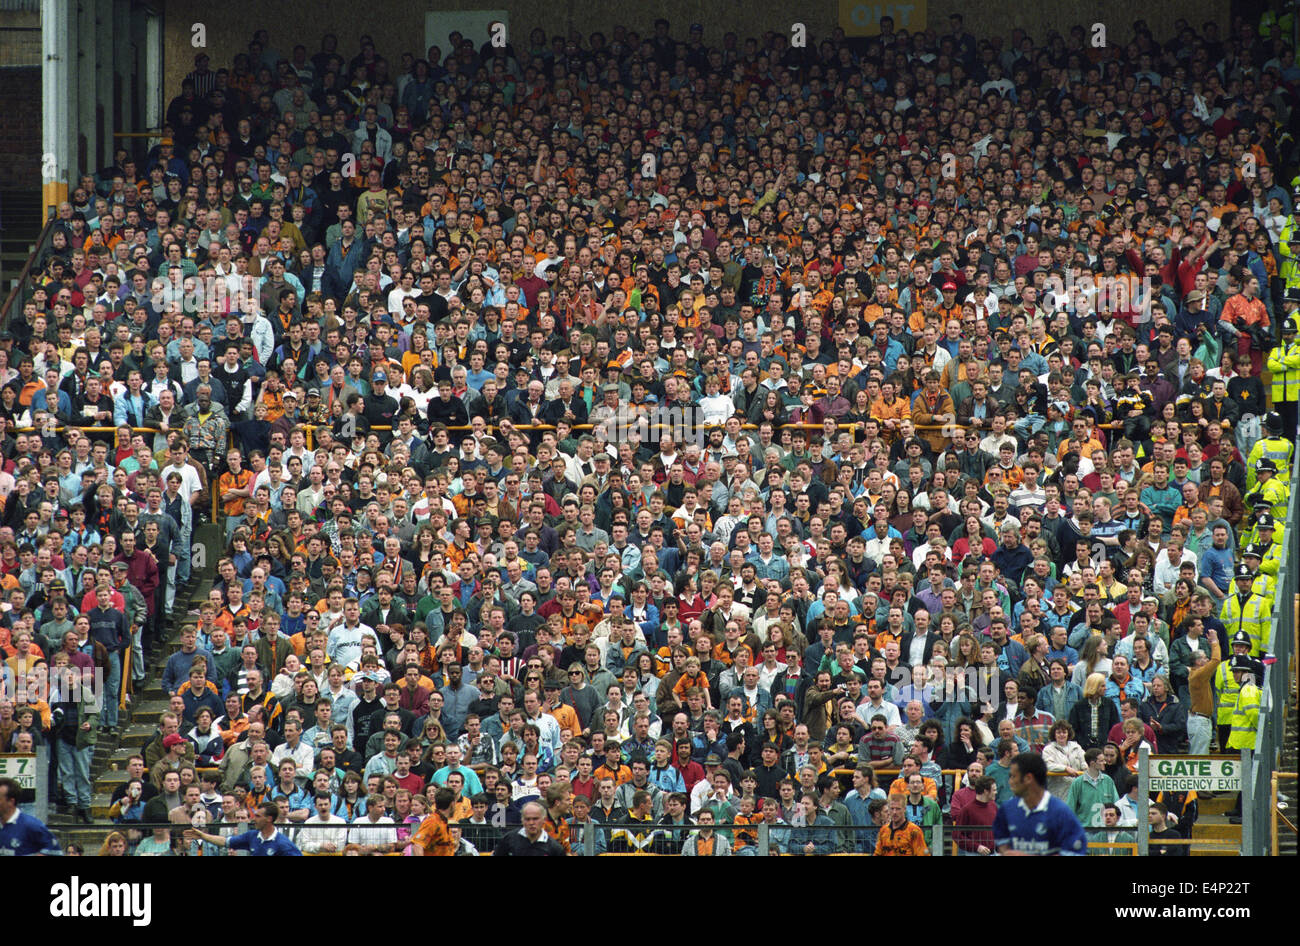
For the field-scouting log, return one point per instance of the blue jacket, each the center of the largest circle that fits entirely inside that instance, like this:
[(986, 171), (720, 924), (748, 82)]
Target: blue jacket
[(1133, 690), (1073, 694), (650, 626), (668, 779), (822, 839), (177, 670)]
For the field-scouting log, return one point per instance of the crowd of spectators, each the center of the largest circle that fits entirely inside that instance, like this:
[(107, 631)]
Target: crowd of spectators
[(987, 352)]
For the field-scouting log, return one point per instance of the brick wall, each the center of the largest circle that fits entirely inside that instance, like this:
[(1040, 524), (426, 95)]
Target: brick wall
[(20, 128)]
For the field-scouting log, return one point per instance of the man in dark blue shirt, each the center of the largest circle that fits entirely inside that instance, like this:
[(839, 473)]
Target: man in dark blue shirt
[(111, 628), (1036, 822), (21, 835), (265, 840)]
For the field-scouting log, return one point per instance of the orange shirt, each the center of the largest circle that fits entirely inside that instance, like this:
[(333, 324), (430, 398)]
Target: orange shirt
[(1239, 307), (226, 619), (907, 841), (567, 717), (929, 790), (624, 774), (434, 837), (228, 481)]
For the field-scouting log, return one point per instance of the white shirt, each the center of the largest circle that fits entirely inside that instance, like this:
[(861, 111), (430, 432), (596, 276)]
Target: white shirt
[(370, 833), (313, 840), (1166, 572), (866, 711), (190, 482), (304, 757)]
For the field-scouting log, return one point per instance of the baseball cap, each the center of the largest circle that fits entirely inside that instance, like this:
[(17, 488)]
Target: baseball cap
[(950, 287)]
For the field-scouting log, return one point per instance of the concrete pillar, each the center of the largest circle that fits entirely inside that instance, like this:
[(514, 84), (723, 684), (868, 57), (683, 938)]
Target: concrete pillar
[(107, 52), (85, 74), (125, 44), (152, 61), (57, 145)]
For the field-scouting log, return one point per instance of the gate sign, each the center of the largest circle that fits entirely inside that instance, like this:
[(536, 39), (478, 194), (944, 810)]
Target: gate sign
[(862, 17), (1194, 774), (21, 768)]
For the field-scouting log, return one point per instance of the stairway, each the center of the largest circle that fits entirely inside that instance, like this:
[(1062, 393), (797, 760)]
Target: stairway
[(20, 226), (139, 724), (1288, 790), (1212, 826)]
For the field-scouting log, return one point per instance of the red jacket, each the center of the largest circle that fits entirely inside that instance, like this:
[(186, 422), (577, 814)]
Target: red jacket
[(692, 772), (142, 571)]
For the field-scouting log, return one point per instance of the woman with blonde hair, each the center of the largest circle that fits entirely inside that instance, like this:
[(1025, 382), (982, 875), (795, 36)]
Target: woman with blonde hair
[(1093, 716)]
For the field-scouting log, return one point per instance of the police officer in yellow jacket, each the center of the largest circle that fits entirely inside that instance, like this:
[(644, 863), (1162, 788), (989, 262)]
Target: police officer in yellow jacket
[(1269, 488), (1284, 365), (1225, 688), (1262, 560), (1273, 446), (1243, 610), (1269, 535), (1288, 248), (1245, 715)]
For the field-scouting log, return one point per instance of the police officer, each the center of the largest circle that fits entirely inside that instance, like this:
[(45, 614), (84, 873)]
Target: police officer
[(1268, 535), (1225, 685), (1244, 610), (1254, 556), (1275, 447), (1245, 714), (1284, 365), (1269, 488)]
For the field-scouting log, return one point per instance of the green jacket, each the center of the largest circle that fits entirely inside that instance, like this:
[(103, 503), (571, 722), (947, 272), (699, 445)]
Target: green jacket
[(931, 815), (1087, 798)]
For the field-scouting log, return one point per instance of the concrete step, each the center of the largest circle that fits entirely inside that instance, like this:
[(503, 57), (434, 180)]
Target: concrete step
[(1212, 831), (100, 802), (149, 711), (1222, 839), (138, 735), (1219, 805)]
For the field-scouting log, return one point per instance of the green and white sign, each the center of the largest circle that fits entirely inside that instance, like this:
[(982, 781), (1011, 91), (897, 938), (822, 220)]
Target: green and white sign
[(1194, 774), (21, 768)]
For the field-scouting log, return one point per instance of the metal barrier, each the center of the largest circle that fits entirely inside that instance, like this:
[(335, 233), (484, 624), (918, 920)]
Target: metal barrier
[(1275, 700), (1277, 811), (22, 288)]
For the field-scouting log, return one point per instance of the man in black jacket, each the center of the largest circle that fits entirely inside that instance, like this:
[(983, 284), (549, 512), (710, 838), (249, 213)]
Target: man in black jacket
[(531, 840), (380, 406), (448, 410)]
